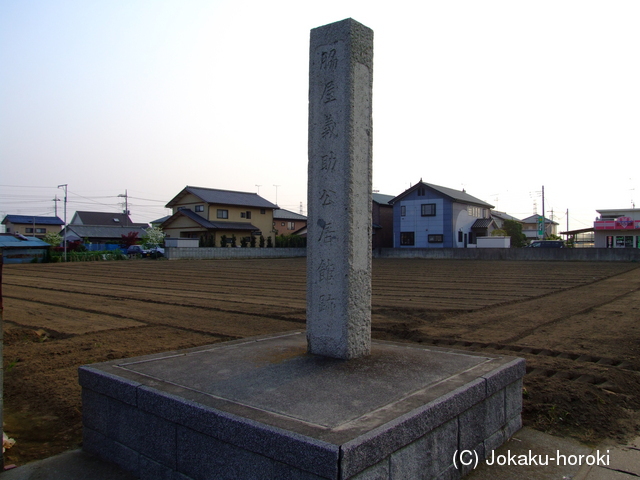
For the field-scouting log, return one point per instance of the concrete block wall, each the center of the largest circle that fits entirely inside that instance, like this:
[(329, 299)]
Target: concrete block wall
[(156, 435), (515, 254), (206, 253)]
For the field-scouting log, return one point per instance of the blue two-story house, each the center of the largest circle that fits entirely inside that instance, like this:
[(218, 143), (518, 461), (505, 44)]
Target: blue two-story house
[(430, 216)]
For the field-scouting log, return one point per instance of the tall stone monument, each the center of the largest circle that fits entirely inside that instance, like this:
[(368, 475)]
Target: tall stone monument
[(280, 406), (339, 190)]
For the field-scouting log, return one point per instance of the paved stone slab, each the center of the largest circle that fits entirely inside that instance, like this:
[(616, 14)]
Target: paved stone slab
[(280, 377)]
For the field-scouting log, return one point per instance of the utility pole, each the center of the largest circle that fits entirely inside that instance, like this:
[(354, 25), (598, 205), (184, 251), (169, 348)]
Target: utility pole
[(55, 204), (65, 220), (126, 208), (276, 193), (544, 218)]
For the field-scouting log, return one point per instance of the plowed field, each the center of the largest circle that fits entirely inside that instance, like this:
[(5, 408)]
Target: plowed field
[(577, 325)]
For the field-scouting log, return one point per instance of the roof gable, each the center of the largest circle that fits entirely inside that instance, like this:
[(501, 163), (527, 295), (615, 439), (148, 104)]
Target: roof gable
[(459, 196), (222, 197)]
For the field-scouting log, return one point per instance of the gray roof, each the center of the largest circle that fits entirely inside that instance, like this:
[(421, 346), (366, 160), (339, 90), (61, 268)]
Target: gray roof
[(483, 223), (534, 219), (460, 196), (103, 231), (31, 219), (103, 218), (223, 197), (282, 214), (382, 199), (504, 216), (212, 225)]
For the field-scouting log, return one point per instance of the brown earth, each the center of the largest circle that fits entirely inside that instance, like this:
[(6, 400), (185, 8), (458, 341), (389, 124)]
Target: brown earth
[(577, 325)]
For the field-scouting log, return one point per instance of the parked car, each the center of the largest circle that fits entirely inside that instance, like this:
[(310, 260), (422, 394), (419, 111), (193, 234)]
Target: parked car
[(154, 252), (546, 244), (135, 250)]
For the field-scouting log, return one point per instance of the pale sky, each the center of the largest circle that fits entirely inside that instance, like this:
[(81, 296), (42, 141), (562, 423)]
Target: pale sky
[(496, 97)]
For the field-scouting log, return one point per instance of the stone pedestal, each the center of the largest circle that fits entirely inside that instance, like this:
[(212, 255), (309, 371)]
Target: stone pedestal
[(265, 408)]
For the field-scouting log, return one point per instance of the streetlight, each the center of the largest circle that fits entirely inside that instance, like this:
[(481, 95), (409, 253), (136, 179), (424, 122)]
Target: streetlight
[(65, 220)]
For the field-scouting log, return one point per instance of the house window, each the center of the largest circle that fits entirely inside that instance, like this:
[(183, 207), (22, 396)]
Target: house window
[(291, 226), (248, 214), (407, 238), (436, 238), (262, 211), (403, 210), (282, 224), (28, 230), (41, 230), (223, 213), (422, 192), (428, 209), (245, 214), (199, 208), (460, 237)]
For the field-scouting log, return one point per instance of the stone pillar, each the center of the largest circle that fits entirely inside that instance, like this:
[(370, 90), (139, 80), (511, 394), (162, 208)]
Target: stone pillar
[(339, 190)]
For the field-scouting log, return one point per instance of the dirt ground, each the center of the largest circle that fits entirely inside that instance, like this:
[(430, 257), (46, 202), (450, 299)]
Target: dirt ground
[(577, 324)]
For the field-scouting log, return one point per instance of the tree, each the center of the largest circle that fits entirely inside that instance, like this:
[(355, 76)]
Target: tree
[(223, 240), (514, 230), (153, 237), (52, 238), (129, 239)]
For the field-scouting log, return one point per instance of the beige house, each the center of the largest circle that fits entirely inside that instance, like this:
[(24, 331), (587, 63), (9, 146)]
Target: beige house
[(209, 214), (32, 226)]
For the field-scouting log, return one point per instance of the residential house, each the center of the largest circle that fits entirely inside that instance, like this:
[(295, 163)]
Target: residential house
[(382, 219), (286, 222), (102, 227), (16, 248), (431, 216), (500, 217), (534, 229), (617, 228), (208, 214), (31, 225)]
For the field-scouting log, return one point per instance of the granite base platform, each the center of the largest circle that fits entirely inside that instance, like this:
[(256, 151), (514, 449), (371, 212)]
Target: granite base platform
[(264, 408)]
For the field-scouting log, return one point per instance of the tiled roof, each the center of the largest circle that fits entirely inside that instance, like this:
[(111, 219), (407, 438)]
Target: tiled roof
[(282, 214), (382, 199), (30, 219), (482, 223), (534, 219), (103, 218), (456, 195), (103, 231), (223, 197), (212, 225)]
